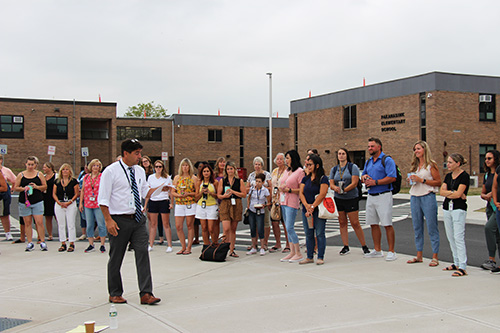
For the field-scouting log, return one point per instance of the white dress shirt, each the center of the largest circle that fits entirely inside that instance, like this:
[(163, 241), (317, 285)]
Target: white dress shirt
[(115, 191)]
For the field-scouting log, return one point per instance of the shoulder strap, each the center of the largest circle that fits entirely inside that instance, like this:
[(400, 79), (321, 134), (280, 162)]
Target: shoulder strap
[(335, 168), (349, 167), (383, 160)]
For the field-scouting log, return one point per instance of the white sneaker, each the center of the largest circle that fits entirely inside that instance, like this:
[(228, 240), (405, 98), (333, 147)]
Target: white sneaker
[(169, 249), (262, 252), (150, 248), (375, 254), (8, 236), (252, 251), (391, 256)]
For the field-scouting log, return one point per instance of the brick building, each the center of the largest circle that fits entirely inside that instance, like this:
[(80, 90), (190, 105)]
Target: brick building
[(452, 112), (29, 127)]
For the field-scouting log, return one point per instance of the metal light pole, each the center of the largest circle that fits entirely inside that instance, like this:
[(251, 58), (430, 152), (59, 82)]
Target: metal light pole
[(270, 121)]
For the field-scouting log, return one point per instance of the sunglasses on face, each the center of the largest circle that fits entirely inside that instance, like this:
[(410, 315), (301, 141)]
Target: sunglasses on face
[(158, 167), (489, 158)]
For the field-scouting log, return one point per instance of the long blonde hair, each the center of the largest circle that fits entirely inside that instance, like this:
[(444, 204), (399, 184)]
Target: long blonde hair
[(191, 168), (427, 156), (65, 166)]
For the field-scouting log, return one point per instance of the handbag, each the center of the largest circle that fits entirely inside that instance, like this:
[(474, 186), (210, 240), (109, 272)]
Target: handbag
[(215, 251), (246, 216), (276, 211), (327, 209)]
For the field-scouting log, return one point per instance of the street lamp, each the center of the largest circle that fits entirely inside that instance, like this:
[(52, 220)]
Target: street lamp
[(270, 121)]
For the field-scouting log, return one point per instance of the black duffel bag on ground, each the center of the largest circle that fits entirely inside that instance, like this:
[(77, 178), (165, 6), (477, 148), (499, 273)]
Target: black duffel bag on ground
[(215, 251)]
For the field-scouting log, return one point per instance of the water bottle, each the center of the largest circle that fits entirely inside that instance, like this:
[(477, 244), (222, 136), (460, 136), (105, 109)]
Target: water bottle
[(113, 317)]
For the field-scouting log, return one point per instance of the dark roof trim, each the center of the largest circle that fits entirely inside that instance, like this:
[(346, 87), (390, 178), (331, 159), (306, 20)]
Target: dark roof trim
[(235, 121), (54, 101), (434, 81)]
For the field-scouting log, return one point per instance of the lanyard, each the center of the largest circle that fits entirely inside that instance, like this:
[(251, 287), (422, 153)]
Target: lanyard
[(126, 174)]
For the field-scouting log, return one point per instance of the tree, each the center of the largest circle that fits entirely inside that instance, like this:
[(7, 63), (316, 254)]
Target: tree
[(146, 110)]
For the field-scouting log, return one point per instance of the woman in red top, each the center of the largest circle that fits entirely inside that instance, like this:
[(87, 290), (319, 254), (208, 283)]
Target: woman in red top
[(88, 202)]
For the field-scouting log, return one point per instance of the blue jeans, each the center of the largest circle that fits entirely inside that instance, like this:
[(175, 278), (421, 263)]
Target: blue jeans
[(289, 214), (319, 227), (454, 223), (425, 206), (93, 215), (256, 223)]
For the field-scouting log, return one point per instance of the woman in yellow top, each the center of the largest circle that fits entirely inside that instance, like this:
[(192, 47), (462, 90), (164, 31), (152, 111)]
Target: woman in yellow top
[(184, 193), (207, 209)]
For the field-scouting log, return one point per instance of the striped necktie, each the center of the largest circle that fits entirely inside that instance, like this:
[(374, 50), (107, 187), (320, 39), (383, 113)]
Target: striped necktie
[(137, 199)]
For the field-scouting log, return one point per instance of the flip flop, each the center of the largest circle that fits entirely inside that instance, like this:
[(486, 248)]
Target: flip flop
[(414, 261), (180, 252), (459, 272), (286, 250), (274, 249), (450, 268), (434, 262), (186, 252), (234, 255)]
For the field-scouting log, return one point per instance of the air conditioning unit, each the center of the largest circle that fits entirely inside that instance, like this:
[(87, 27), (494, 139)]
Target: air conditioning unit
[(474, 181), (17, 120), (484, 98)]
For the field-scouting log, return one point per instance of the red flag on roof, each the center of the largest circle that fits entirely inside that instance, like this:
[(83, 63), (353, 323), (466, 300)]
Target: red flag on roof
[(309, 93), (179, 110), (99, 98), (219, 112)]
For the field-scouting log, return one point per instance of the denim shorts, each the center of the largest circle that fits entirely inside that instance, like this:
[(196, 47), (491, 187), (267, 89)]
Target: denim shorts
[(34, 209)]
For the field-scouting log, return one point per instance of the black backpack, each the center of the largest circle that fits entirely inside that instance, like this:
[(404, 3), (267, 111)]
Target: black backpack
[(349, 167), (396, 186)]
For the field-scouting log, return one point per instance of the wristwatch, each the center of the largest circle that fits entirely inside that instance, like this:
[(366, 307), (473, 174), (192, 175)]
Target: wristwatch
[(424, 181), (376, 182), (289, 190)]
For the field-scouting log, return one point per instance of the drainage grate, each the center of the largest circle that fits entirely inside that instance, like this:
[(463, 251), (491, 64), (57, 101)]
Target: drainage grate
[(7, 323)]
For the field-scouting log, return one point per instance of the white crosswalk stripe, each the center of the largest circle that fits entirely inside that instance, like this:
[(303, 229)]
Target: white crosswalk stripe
[(332, 228)]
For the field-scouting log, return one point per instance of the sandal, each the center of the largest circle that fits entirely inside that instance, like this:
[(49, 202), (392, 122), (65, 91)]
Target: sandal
[(71, 248), (186, 252), (450, 268), (62, 248), (414, 261), (274, 249), (234, 255), (181, 252), (286, 250), (459, 272), (434, 262), (17, 241)]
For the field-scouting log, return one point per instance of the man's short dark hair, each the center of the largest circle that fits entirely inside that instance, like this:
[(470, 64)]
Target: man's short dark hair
[(130, 145), (376, 140)]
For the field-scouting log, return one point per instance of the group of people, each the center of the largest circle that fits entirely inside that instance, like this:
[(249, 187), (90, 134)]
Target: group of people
[(133, 187), (49, 195)]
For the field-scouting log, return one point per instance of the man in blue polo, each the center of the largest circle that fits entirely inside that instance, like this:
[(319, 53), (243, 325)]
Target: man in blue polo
[(379, 178)]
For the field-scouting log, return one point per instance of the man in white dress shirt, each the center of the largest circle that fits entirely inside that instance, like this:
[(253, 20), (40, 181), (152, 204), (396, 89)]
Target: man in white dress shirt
[(123, 183)]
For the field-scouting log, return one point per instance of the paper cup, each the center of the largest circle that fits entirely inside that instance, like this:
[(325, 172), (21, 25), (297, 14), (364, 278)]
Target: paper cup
[(89, 326)]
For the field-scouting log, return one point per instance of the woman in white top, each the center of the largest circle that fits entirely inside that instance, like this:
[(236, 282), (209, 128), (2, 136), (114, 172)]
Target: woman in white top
[(159, 203), (424, 179)]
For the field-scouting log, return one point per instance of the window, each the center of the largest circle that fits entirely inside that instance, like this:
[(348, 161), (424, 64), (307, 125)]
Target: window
[(487, 107), (214, 135), (12, 127), (56, 128), (483, 149), (358, 158), (423, 127), (242, 150), (350, 116), (139, 133), (95, 134)]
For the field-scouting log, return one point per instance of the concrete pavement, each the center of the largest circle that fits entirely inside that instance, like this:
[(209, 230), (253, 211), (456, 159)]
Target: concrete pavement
[(58, 291)]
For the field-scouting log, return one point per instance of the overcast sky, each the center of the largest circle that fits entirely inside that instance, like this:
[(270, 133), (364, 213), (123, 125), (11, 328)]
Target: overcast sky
[(203, 56)]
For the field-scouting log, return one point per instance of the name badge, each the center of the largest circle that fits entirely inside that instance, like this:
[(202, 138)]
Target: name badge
[(450, 204), (91, 198), (233, 201), (282, 197)]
